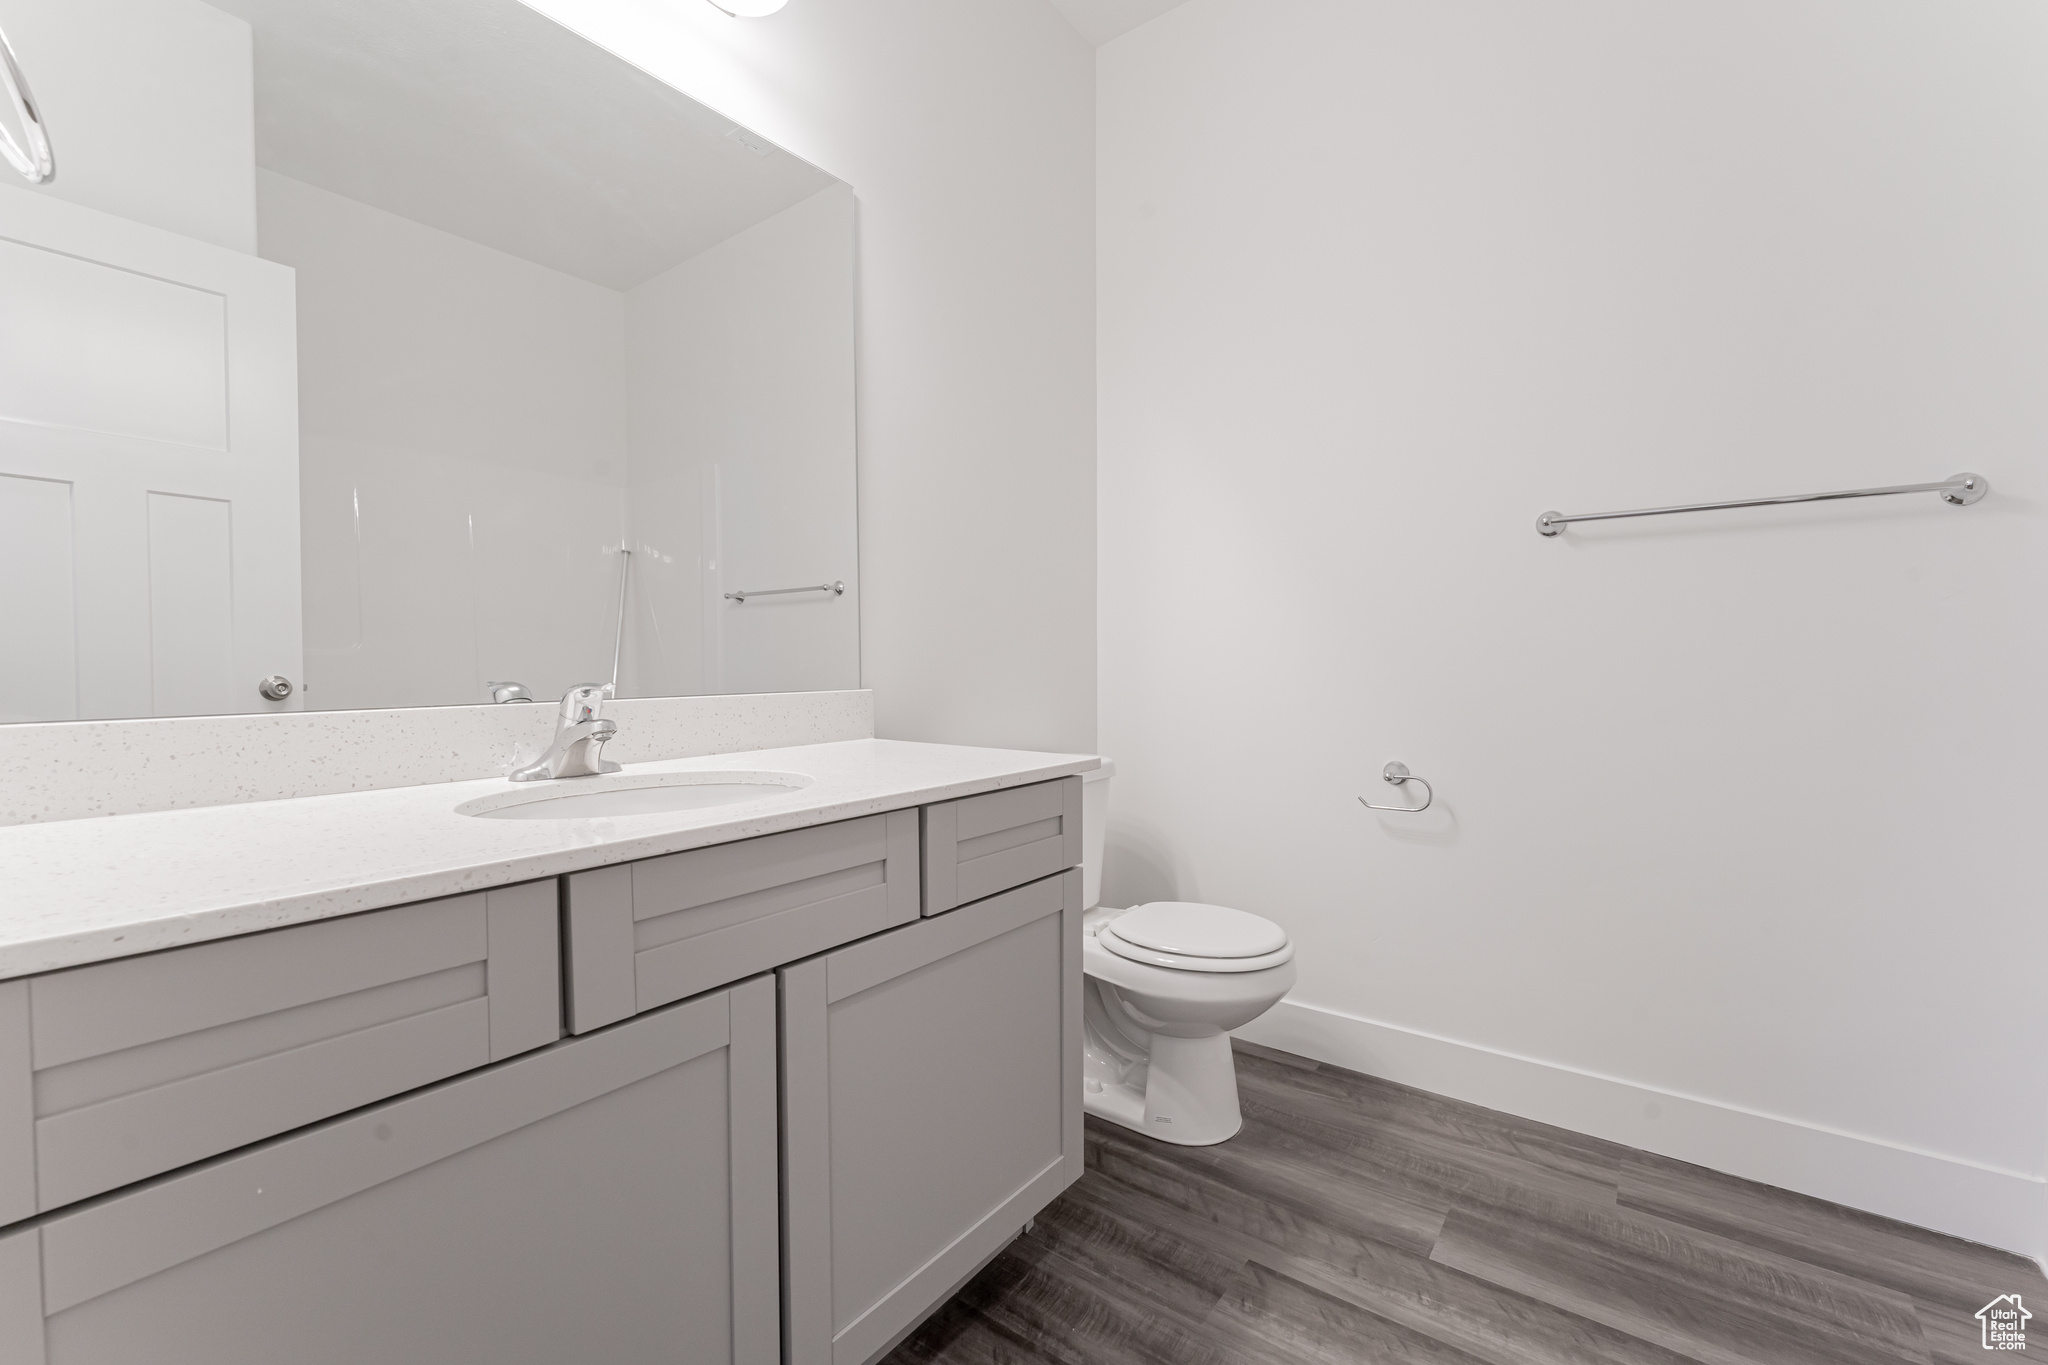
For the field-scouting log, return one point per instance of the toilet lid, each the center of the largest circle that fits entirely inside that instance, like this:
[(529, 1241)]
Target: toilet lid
[(1190, 929)]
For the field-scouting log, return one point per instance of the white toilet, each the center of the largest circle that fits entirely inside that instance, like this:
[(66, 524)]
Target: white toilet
[(1166, 983)]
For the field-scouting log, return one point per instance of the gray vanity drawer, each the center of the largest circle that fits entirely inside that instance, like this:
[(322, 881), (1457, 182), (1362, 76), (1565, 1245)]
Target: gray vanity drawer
[(644, 934), (123, 1070), (979, 845)]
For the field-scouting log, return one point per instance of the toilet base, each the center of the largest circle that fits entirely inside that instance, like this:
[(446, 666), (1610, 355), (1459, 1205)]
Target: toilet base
[(1178, 1090), (1118, 1102)]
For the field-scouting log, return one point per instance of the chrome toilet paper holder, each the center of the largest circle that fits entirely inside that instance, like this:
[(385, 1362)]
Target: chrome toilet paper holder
[(1396, 774)]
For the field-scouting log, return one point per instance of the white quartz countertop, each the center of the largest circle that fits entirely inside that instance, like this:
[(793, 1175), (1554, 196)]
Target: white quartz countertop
[(80, 891)]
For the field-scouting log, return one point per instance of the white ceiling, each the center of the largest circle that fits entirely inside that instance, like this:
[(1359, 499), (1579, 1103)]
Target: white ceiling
[(486, 119), (1101, 20)]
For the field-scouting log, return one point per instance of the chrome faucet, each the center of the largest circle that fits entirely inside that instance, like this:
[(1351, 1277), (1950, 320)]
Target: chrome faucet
[(579, 734)]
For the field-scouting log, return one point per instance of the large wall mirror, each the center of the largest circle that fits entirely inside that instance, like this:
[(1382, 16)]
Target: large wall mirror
[(414, 354)]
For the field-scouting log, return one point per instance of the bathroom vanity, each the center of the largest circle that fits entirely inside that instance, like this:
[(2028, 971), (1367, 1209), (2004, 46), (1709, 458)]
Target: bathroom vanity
[(746, 1083)]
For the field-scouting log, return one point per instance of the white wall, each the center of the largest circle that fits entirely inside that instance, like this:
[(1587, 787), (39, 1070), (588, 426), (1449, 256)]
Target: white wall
[(151, 110), (463, 466), (740, 397), (1737, 848), (966, 131)]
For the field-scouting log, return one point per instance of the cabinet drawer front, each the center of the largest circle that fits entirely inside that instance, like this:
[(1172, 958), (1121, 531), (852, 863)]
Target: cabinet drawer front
[(607, 1200), (131, 1068), (654, 932), (980, 845)]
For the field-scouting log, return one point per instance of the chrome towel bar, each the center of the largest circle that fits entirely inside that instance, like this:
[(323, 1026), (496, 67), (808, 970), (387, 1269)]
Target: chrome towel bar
[(836, 589), (1396, 773), (1962, 490)]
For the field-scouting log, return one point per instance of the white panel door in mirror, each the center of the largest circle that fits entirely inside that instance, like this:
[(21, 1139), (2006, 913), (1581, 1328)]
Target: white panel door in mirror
[(147, 383), (39, 666)]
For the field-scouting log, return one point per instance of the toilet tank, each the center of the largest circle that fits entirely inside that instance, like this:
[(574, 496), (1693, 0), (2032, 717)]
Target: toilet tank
[(1094, 820)]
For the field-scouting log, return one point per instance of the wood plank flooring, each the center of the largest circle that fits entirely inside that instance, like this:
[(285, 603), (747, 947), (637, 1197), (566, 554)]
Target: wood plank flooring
[(1354, 1220)]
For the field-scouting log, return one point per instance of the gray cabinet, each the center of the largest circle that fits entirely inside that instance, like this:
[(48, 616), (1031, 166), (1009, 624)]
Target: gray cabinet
[(979, 845), (643, 934), (123, 1070), (610, 1200), (366, 1139), (931, 1092)]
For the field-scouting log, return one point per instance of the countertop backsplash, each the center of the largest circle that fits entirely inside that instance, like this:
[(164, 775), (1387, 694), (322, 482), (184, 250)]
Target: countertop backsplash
[(75, 770)]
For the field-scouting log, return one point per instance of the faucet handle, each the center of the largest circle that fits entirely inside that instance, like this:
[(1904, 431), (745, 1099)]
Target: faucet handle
[(582, 702)]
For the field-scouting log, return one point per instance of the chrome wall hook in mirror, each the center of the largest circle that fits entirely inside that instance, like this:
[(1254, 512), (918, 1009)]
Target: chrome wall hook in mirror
[(35, 162), (1396, 773)]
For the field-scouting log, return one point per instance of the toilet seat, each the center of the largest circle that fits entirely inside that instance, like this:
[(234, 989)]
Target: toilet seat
[(1189, 936)]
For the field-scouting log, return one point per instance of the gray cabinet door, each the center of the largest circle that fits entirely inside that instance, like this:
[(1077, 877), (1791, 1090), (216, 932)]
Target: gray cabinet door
[(979, 845), (643, 934), (606, 1201), (123, 1070), (931, 1091)]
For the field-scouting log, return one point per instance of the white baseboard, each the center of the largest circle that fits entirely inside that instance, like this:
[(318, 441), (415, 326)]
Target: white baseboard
[(1999, 1208)]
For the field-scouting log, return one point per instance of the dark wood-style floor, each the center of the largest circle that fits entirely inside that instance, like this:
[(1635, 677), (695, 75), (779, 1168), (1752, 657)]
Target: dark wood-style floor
[(1358, 1221)]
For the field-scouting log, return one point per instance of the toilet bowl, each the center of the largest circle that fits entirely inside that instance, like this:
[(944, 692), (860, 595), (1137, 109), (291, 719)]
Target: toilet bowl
[(1165, 983)]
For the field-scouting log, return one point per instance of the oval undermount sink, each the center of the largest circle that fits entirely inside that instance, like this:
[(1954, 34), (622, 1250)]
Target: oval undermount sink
[(590, 798)]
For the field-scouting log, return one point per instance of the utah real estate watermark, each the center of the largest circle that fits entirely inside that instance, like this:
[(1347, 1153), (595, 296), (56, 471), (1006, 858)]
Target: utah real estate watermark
[(2005, 1323)]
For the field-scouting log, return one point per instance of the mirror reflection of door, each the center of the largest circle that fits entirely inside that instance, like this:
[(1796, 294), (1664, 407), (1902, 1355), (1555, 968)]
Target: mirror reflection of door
[(543, 302), (148, 469)]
